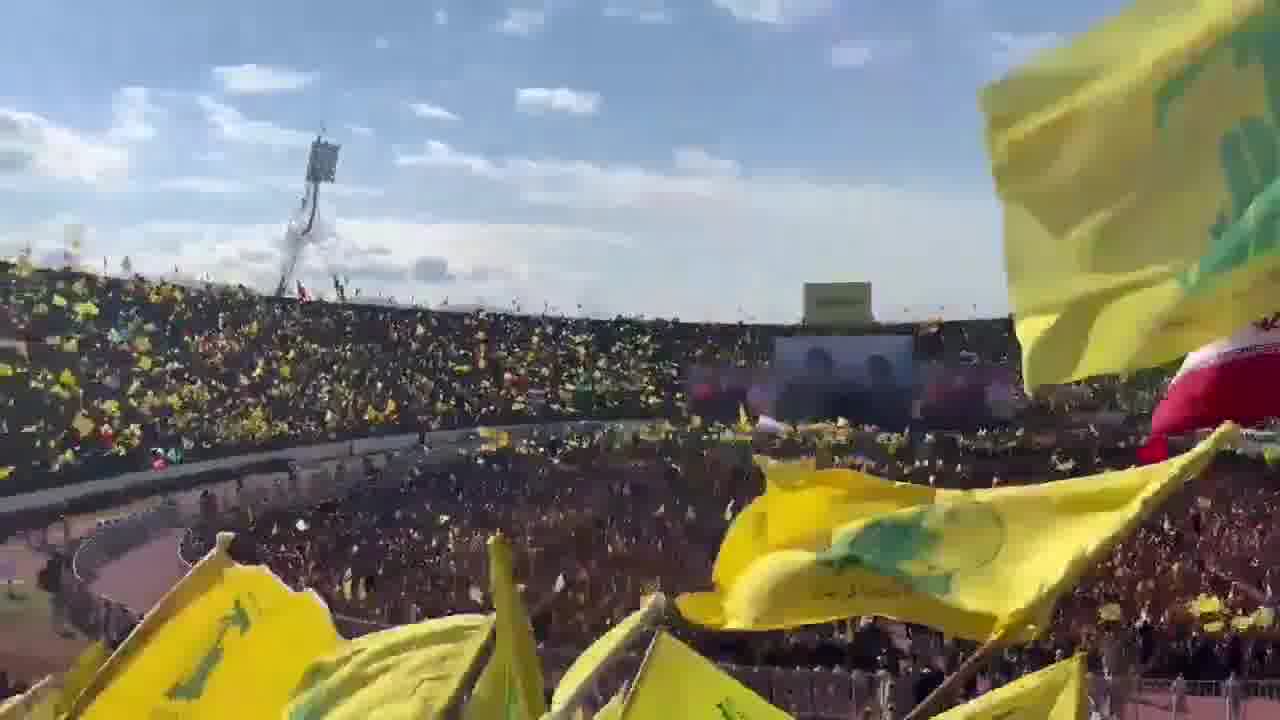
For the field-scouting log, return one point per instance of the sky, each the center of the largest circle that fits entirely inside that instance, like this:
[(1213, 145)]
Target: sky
[(698, 159)]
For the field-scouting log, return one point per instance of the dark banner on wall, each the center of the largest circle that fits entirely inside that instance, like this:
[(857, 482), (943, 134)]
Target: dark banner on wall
[(866, 379)]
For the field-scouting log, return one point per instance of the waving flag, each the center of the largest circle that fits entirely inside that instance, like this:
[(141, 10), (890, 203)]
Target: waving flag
[(405, 673), (227, 635), (511, 686), (1138, 172), (1232, 379), (1058, 692), (676, 683), (825, 545)]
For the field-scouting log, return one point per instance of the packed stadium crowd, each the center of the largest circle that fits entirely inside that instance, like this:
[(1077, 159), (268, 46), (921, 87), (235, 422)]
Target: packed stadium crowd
[(104, 375), (602, 520)]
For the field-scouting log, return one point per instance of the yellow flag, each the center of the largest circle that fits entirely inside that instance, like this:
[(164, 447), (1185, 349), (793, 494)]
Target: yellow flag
[(80, 674), (612, 710), (511, 686), (842, 543), (601, 650), (675, 682), (1137, 168), (227, 636), (1058, 692), (38, 703), (405, 673)]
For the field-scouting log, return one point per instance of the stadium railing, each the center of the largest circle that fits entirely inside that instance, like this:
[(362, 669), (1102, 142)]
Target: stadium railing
[(102, 617), (66, 498)]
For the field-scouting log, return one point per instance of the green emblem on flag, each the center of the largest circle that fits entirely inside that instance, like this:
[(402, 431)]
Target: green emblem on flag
[(1249, 153), (193, 685), (926, 549)]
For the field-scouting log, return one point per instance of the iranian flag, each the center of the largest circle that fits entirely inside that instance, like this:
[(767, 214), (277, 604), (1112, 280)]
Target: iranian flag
[(1237, 379)]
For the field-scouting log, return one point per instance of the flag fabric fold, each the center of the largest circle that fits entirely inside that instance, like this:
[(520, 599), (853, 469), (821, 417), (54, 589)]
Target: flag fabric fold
[(511, 685), (1058, 692), (410, 672), (598, 652), (1137, 170), (824, 545), (676, 682)]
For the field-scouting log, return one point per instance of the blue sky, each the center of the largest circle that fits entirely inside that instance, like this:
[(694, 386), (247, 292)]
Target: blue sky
[(699, 159)]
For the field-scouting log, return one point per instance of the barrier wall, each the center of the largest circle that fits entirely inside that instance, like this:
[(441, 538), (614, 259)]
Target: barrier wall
[(177, 477), (102, 617)]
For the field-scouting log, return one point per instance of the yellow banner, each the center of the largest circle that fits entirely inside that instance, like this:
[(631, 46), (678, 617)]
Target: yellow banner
[(824, 545), (1137, 168), (228, 636), (1058, 692), (676, 682)]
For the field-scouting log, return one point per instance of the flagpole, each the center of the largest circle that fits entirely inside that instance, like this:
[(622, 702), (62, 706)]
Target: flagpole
[(453, 706), (933, 704), (652, 614)]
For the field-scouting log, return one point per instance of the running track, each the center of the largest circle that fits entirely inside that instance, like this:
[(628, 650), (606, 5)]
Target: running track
[(143, 575)]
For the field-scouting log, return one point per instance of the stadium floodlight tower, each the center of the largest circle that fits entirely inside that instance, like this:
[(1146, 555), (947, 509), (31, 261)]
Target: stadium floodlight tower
[(322, 167)]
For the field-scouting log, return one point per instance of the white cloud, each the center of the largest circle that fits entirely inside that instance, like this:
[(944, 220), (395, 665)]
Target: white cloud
[(360, 130), (440, 155), (770, 231), (1009, 50), (204, 185), (215, 185), (563, 100), (252, 79), (645, 12), (428, 261), (427, 111), (774, 12), (381, 43), (32, 146), (230, 125), (850, 55), (132, 113), (698, 161), (615, 238), (522, 22)]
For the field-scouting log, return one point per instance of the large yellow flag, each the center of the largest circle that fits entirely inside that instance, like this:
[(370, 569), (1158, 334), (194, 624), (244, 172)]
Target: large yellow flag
[(1058, 692), (1137, 167), (411, 672), (612, 710), (511, 686), (675, 682), (87, 665), (605, 647), (227, 636), (820, 546)]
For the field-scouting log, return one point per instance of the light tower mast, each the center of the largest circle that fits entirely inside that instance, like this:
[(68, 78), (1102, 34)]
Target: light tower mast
[(322, 167)]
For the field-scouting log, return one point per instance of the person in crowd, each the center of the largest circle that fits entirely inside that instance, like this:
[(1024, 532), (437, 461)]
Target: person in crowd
[(812, 394)]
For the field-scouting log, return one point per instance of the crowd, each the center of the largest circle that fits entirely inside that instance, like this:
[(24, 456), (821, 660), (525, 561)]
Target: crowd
[(101, 375), (600, 521)]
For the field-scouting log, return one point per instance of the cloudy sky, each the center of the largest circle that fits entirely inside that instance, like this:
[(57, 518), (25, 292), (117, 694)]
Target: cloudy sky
[(691, 158)]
